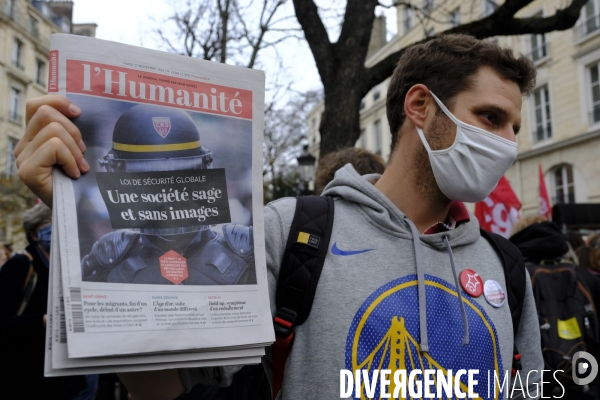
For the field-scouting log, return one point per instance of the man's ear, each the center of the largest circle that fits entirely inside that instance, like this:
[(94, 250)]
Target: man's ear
[(416, 103)]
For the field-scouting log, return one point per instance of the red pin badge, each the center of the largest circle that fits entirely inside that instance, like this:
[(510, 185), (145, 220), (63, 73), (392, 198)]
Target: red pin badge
[(471, 282)]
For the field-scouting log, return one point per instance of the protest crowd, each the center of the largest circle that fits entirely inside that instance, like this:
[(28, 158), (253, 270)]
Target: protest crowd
[(424, 258)]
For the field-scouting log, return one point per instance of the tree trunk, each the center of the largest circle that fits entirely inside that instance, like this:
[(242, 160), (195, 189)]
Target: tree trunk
[(340, 122)]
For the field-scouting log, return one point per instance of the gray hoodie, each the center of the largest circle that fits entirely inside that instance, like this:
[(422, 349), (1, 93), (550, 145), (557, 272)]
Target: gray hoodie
[(382, 285)]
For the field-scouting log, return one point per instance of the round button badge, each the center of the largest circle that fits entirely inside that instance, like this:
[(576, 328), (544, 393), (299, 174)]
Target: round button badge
[(471, 282), (494, 294)]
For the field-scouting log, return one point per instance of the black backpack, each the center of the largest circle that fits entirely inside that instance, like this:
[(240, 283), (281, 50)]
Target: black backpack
[(568, 320), (306, 248)]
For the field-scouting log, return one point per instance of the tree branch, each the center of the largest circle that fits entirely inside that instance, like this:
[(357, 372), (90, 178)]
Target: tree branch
[(494, 25), (317, 38)]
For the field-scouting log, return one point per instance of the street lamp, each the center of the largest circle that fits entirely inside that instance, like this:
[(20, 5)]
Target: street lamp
[(306, 162)]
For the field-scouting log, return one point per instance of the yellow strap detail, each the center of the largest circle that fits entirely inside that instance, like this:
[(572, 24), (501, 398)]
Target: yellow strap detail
[(149, 148), (303, 237)]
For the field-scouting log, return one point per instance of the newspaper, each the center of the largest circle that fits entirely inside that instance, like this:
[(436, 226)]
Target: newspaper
[(58, 364), (158, 251)]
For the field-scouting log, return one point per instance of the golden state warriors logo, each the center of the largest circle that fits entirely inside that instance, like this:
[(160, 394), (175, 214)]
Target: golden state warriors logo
[(385, 334)]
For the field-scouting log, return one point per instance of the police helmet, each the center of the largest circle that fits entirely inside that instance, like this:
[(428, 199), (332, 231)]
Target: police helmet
[(149, 138), (152, 138)]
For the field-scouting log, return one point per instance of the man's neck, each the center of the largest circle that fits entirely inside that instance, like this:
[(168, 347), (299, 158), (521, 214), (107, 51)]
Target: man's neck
[(400, 183)]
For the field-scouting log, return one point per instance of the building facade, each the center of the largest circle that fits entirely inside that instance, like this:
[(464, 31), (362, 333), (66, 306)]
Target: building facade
[(560, 120), (25, 29)]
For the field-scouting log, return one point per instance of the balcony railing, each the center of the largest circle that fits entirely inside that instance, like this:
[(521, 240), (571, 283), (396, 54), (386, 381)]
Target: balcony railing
[(14, 116), (588, 26), (539, 53)]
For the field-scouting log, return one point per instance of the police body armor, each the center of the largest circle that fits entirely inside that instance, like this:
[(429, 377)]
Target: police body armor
[(152, 138), (125, 256)]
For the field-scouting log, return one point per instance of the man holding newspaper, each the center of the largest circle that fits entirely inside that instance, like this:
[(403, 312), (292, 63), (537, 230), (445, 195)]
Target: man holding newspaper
[(380, 284)]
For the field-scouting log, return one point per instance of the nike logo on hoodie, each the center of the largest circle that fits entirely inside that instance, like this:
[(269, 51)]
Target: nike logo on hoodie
[(336, 251)]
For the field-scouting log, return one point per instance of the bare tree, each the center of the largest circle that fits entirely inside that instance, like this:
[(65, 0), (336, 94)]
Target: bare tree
[(225, 30), (341, 64), (285, 130)]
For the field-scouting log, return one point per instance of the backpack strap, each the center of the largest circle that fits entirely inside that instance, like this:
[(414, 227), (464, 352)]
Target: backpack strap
[(301, 267), (514, 275)]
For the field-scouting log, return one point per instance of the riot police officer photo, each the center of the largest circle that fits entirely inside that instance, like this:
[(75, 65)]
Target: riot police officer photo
[(149, 138)]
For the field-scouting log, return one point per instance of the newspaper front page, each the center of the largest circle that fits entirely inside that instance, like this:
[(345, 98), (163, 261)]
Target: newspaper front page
[(161, 242), (59, 364)]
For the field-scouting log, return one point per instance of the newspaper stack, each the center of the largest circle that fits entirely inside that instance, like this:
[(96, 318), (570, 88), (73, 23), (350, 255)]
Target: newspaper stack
[(157, 256)]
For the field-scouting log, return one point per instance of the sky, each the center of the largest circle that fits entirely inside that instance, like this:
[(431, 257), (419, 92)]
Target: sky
[(135, 22)]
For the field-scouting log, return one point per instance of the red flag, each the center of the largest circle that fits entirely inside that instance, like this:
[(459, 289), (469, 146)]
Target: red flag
[(545, 207), (500, 210)]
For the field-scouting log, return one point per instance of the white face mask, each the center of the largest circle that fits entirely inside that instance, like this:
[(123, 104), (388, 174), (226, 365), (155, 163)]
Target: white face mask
[(469, 169)]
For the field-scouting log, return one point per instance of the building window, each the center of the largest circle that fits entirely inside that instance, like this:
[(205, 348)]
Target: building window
[(408, 19), (564, 185), (590, 15), (595, 87), (14, 107), (34, 26), (430, 32), (427, 6), (40, 72), (376, 93), (17, 54), (489, 6), (378, 137), (362, 105), (363, 139), (455, 18), (11, 162), (543, 118), (9, 8), (537, 44)]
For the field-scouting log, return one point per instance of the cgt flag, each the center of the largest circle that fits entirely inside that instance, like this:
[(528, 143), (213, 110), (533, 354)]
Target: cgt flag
[(500, 210), (545, 208)]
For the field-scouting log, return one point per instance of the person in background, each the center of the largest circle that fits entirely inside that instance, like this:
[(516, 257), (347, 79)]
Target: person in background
[(593, 240), (363, 161), (23, 302), (575, 239), (541, 243), (5, 253), (526, 222), (584, 255)]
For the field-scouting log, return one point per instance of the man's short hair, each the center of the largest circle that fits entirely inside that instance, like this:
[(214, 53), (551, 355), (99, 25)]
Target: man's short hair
[(446, 65), (35, 216), (363, 161)]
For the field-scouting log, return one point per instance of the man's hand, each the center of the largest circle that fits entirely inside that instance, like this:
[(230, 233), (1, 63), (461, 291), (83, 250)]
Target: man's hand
[(153, 385), (50, 139)]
